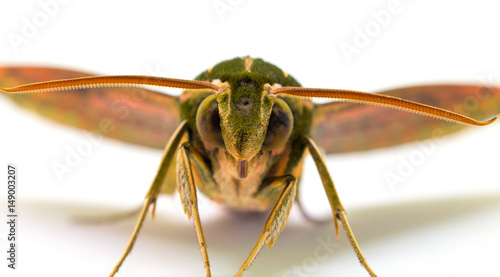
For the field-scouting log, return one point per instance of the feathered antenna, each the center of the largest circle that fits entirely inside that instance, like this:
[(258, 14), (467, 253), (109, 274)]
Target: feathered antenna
[(381, 100), (109, 81)]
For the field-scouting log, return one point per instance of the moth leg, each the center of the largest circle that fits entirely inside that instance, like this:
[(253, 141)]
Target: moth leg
[(187, 191), (168, 188), (102, 219), (337, 208), (277, 219), (307, 216), (154, 190)]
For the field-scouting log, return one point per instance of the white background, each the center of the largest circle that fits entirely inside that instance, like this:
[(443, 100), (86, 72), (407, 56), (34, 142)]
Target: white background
[(442, 221)]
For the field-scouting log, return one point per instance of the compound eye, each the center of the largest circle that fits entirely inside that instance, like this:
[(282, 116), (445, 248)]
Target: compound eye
[(208, 122), (280, 126)]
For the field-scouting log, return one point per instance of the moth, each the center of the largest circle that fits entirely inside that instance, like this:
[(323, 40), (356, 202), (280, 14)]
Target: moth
[(240, 131)]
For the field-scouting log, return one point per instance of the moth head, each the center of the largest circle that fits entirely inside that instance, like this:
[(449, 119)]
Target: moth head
[(244, 119)]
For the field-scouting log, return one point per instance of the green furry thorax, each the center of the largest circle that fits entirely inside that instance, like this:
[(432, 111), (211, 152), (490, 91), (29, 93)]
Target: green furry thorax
[(260, 71)]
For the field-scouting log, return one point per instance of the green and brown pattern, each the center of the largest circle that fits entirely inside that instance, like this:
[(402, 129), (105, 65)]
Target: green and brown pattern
[(346, 127), (133, 115), (240, 133)]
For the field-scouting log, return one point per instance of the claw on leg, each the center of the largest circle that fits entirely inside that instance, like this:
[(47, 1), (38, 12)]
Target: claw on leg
[(187, 191), (277, 219), (154, 190), (337, 232), (337, 208)]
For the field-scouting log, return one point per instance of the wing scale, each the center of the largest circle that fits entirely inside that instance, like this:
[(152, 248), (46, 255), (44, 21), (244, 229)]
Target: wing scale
[(346, 127), (134, 115)]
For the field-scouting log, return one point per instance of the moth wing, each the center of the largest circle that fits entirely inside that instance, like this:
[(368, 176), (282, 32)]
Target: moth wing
[(134, 115), (347, 127)]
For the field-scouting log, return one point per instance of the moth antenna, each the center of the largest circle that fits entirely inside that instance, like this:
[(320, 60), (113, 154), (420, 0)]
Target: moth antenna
[(109, 81), (381, 100)]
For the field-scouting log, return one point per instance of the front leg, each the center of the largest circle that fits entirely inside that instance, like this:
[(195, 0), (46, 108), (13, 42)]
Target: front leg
[(187, 192), (154, 190), (337, 208), (278, 217)]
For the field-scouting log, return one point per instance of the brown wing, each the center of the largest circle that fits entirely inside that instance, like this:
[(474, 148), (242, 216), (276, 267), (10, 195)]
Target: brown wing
[(133, 115), (345, 127)]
